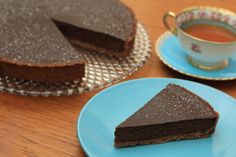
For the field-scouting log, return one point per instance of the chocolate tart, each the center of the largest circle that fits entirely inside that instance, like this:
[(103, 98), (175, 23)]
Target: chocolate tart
[(38, 38), (173, 114)]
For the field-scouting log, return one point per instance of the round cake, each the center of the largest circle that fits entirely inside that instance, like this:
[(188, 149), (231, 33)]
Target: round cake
[(38, 37)]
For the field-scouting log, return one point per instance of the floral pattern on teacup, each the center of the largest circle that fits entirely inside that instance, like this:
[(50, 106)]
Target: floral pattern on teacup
[(195, 48), (207, 14)]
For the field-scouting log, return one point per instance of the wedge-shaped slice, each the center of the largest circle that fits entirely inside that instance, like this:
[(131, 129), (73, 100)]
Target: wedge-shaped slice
[(173, 114)]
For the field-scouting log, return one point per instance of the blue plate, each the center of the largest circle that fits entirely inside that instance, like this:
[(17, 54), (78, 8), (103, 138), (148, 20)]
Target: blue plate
[(100, 116), (171, 53)]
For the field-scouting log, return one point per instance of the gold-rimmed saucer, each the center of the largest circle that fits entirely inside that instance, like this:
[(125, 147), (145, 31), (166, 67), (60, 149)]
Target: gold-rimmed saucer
[(171, 53)]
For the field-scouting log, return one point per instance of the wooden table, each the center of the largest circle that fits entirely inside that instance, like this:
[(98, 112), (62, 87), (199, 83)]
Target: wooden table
[(46, 127)]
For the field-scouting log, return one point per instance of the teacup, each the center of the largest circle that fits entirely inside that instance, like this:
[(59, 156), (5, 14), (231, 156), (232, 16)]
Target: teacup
[(203, 53)]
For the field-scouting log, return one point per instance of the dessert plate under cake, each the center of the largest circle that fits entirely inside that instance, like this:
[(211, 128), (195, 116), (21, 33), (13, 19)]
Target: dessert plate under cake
[(100, 116)]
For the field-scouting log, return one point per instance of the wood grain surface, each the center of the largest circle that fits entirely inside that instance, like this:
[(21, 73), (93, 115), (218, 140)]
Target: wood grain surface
[(46, 127)]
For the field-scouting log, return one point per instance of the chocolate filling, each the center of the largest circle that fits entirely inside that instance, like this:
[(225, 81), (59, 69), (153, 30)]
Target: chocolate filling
[(162, 130), (91, 37)]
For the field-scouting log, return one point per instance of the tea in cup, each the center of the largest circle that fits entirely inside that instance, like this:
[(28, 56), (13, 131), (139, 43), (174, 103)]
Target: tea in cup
[(207, 34)]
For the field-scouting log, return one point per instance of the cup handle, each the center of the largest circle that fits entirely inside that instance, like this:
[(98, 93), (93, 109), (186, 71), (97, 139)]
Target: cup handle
[(166, 24)]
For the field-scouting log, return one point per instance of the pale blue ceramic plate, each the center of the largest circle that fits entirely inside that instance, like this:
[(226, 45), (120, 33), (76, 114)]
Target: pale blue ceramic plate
[(100, 116), (171, 53)]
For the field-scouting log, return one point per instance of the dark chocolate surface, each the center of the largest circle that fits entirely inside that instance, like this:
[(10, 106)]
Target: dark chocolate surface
[(104, 16), (172, 104), (35, 42), (29, 35)]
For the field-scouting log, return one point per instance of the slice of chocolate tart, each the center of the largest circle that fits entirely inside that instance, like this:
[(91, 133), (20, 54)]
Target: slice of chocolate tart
[(173, 114)]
